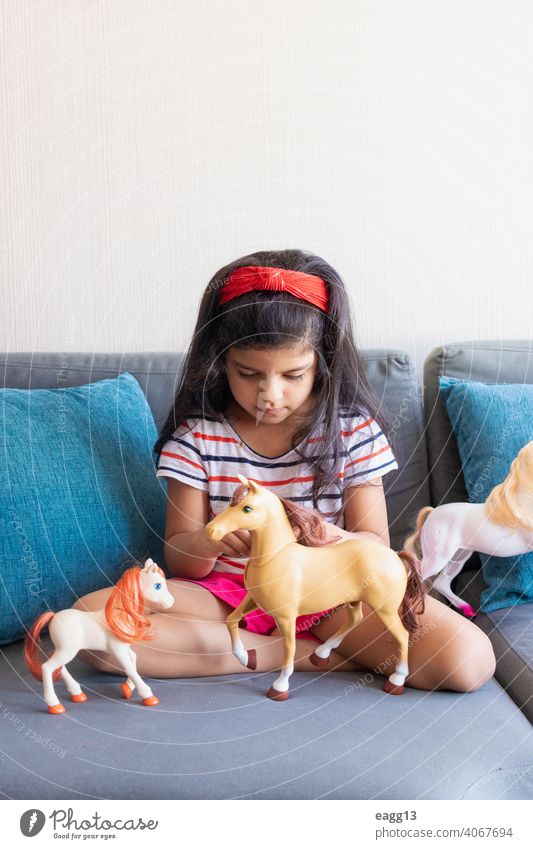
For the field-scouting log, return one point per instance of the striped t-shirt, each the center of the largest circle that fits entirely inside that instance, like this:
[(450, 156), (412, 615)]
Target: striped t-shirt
[(209, 455)]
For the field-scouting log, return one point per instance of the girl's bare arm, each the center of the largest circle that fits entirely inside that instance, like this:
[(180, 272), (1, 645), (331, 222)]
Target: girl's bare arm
[(365, 511), (188, 551)]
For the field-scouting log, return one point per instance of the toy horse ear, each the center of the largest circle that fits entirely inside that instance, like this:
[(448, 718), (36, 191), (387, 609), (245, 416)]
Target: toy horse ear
[(243, 480), (150, 566), (253, 486)]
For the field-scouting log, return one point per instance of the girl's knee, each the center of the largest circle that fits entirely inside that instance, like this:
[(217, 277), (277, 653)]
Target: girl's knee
[(474, 664), (484, 662)]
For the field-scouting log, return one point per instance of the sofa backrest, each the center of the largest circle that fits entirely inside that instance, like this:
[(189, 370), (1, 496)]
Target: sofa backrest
[(391, 376), (157, 373), (496, 361), (393, 379)]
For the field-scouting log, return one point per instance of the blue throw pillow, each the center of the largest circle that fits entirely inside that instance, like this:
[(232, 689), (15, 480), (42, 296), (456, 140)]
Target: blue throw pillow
[(79, 498), (491, 423)]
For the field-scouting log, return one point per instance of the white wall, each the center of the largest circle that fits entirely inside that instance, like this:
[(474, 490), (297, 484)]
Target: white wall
[(145, 144)]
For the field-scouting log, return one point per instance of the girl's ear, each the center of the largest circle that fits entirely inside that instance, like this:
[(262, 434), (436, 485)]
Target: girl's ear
[(243, 480)]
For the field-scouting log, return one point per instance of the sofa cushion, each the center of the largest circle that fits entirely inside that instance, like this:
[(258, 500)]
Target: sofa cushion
[(339, 736), (491, 424), (497, 361), (510, 631), (392, 376), (156, 373), (78, 494)]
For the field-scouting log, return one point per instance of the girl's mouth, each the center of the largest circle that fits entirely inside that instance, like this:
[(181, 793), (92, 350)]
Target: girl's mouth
[(271, 412)]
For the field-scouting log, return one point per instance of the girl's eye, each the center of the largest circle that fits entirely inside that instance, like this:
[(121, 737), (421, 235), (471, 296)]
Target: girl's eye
[(157, 586), (254, 376)]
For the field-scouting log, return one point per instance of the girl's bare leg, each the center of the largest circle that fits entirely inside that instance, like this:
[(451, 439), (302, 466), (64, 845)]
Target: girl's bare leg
[(193, 640), (450, 652)]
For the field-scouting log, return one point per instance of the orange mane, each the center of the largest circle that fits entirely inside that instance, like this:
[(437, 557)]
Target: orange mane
[(124, 609)]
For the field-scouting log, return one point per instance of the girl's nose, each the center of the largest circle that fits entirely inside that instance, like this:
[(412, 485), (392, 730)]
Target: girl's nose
[(270, 391)]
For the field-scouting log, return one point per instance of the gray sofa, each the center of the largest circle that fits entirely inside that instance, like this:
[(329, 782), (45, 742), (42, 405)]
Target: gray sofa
[(340, 736)]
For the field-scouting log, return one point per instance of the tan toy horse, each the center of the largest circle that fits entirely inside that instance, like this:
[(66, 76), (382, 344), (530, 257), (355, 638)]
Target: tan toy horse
[(286, 579)]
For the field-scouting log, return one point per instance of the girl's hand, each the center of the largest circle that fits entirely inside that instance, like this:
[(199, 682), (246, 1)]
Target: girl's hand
[(334, 532), (235, 544)]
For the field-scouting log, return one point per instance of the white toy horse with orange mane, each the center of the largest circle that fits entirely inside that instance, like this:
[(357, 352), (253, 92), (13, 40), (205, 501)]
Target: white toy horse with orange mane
[(112, 629), (446, 536)]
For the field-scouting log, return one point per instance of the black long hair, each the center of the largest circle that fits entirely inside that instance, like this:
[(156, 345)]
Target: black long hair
[(266, 319)]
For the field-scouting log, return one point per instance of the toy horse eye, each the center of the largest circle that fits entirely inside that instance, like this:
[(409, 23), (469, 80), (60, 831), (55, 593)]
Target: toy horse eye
[(247, 509), (157, 586)]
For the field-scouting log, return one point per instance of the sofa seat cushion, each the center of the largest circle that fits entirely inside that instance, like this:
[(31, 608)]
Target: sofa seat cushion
[(510, 631), (339, 736)]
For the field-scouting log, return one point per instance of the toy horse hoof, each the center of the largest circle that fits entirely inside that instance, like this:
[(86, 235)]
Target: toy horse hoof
[(78, 697), (56, 709), (469, 611), (151, 700), (277, 695), (127, 691), (252, 659), (393, 689), (318, 661)]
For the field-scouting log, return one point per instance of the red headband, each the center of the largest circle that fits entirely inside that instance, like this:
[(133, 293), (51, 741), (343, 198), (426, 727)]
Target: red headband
[(248, 278)]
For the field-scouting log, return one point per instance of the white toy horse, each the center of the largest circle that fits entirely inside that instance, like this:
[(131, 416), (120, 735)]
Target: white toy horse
[(112, 629), (502, 526)]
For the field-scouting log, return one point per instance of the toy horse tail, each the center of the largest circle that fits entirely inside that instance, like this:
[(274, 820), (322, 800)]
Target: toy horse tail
[(413, 603), (412, 544), (32, 646)]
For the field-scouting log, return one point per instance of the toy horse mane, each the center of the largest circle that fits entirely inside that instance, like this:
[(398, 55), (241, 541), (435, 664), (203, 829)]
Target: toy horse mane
[(124, 610), (510, 502), (308, 525)]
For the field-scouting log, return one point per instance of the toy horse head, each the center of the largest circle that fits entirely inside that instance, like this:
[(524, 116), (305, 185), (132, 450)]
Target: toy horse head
[(137, 589), (253, 506), (250, 508), (153, 585)]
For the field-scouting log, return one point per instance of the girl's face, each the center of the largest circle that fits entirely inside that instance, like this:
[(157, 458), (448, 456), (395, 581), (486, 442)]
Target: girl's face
[(271, 385)]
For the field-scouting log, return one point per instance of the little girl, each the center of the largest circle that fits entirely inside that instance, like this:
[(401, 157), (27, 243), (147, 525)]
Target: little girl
[(273, 388)]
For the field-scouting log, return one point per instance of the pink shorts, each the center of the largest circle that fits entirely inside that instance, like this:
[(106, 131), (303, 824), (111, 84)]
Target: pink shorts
[(229, 587)]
